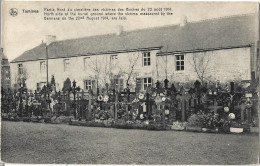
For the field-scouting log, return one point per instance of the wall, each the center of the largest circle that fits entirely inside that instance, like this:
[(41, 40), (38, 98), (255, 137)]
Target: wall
[(79, 73), (224, 65)]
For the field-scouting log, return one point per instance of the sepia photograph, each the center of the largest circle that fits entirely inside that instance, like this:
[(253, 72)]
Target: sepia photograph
[(144, 83)]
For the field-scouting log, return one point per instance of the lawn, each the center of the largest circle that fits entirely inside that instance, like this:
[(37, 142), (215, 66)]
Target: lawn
[(47, 143)]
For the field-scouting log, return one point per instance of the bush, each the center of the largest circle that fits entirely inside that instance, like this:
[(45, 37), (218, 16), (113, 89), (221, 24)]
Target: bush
[(202, 119), (95, 124), (236, 124), (224, 124), (210, 120), (195, 120)]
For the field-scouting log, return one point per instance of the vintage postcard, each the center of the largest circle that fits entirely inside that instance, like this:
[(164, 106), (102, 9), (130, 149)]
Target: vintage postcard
[(173, 83)]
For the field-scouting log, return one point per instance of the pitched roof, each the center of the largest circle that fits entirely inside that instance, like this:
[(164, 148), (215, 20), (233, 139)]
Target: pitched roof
[(229, 31)]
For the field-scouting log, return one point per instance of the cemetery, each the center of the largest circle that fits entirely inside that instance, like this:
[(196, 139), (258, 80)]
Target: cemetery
[(209, 107)]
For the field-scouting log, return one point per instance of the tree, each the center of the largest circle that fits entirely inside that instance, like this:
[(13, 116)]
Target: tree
[(162, 64), (95, 67), (200, 59), (131, 67), (132, 62), (66, 85), (200, 64)]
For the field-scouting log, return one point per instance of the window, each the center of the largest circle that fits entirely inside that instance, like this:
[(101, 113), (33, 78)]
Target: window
[(179, 62), (20, 69), (66, 64), (118, 84), (146, 59), (42, 66), (89, 84), (147, 82), (113, 59), (86, 62), (40, 85)]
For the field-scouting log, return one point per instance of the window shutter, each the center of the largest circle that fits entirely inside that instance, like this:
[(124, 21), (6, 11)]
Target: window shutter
[(94, 86), (138, 84), (142, 59), (112, 83), (121, 84), (38, 87), (152, 82), (84, 83)]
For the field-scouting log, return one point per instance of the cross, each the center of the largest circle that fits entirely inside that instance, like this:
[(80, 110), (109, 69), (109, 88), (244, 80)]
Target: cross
[(232, 95), (22, 89), (53, 87), (215, 107), (160, 102), (107, 87), (74, 89), (158, 89), (183, 98), (128, 93), (172, 90), (148, 102), (166, 81), (246, 106), (157, 84)]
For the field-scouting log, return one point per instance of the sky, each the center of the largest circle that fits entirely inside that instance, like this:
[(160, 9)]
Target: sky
[(26, 31)]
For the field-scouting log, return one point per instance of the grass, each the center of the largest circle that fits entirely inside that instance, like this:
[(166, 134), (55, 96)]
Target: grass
[(49, 143)]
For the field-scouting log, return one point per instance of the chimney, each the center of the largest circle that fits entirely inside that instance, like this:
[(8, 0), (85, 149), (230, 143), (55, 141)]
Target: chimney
[(183, 21), (49, 39), (119, 30)]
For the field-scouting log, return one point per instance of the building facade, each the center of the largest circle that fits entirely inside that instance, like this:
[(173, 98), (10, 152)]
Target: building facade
[(5, 71), (223, 49)]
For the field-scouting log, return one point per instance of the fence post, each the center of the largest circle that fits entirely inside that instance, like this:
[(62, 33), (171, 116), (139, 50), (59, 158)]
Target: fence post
[(243, 107), (116, 102), (163, 116), (89, 107), (182, 110)]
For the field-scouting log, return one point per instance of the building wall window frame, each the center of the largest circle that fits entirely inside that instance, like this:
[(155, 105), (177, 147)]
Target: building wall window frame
[(146, 58), (42, 66), (66, 64), (89, 84), (86, 61), (179, 62), (147, 82), (113, 59), (118, 83), (20, 68)]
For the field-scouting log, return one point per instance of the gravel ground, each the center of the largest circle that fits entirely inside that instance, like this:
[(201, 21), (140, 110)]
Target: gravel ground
[(48, 143)]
